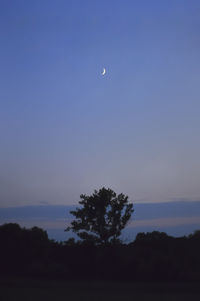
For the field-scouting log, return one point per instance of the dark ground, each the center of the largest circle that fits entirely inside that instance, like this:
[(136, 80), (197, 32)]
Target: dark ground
[(153, 267), (36, 290)]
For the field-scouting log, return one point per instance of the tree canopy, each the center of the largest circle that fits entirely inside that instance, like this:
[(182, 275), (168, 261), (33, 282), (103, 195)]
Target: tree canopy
[(102, 217)]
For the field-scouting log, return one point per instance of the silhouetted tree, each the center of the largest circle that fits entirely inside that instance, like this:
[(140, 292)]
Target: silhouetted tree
[(195, 235), (151, 236), (102, 217)]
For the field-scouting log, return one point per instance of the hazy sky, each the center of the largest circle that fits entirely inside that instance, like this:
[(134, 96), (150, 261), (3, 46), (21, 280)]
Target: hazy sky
[(67, 130)]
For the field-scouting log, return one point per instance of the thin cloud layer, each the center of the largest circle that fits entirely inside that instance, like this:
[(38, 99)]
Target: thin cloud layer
[(176, 218)]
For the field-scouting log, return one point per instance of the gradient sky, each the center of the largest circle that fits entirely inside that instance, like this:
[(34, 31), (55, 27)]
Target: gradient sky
[(66, 130)]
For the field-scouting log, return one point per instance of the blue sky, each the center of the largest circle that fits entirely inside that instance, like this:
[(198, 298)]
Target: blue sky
[(66, 130)]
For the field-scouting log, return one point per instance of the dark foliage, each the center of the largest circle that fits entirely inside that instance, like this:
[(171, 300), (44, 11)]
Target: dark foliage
[(102, 217), (152, 256)]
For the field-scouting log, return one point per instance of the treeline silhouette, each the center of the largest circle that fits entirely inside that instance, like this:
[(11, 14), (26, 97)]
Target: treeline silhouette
[(151, 256)]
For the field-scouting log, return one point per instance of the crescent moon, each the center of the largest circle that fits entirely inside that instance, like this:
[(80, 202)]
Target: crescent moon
[(104, 71)]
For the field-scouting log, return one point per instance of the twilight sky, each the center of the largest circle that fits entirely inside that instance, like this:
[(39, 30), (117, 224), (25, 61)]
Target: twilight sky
[(66, 130)]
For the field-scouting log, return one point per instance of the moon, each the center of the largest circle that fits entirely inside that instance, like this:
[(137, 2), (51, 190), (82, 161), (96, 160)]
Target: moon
[(104, 71)]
